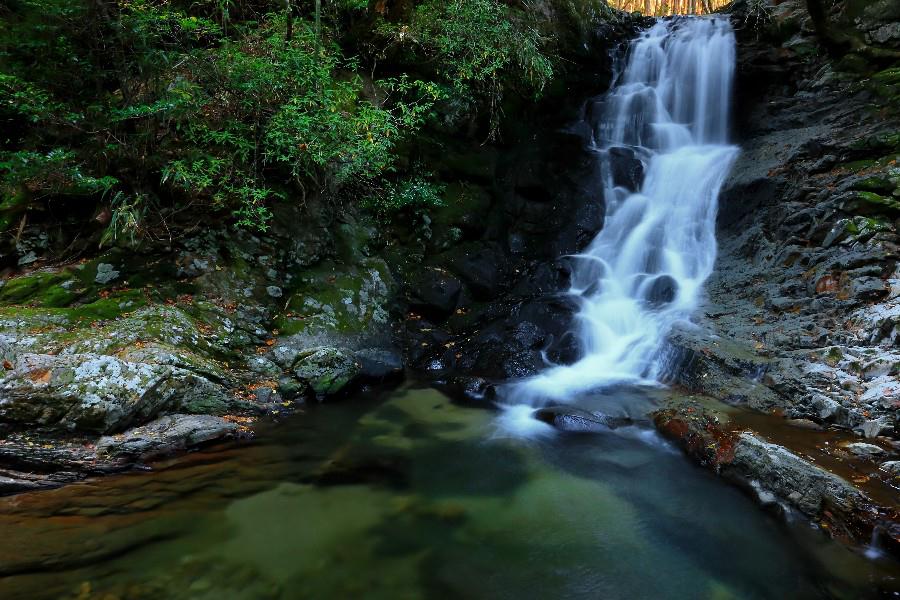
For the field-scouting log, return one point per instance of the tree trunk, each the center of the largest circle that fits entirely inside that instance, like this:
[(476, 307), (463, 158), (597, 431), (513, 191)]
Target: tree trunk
[(835, 42), (318, 19), (289, 13)]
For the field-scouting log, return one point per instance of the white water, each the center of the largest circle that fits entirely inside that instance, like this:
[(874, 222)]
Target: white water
[(670, 104)]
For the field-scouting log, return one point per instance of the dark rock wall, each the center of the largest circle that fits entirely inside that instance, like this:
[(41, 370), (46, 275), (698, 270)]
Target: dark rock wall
[(487, 307)]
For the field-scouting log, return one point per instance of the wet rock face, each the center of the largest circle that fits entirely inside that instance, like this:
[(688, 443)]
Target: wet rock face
[(495, 308), (802, 313), (803, 305), (626, 168)]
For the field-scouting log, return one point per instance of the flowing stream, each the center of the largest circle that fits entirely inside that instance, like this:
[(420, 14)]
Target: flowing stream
[(644, 272)]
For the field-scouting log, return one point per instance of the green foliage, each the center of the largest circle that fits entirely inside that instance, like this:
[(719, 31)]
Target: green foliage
[(267, 112), (148, 109), (481, 42), (55, 172), (479, 48), (127, 215), (27, 100), (417, 192), (193, 105)]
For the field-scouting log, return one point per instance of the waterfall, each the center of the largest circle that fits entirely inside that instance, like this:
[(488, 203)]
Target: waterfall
[(667, 112)]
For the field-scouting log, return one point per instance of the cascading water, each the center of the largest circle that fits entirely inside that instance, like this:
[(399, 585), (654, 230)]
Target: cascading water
[(645, 270)]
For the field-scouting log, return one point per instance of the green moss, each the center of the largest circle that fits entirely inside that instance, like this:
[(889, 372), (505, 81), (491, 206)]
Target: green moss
[(106, 309), (805, 50), (888, 76), (876, 183), (103, 309), (854, 63), (834, 356), (335, 297), (878, 200), (290, 325), (886, 141), (38, 289), (462, 202), (205, 405), (859, 165)]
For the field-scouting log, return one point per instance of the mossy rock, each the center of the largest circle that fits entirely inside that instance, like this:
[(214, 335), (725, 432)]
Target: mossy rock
[(327, 371), (38, 289), (104, 394), (888, 76), (464, 205), (335, 298), (880, 184), (855, 64), (352, 241), (886, 141), (879, 201)]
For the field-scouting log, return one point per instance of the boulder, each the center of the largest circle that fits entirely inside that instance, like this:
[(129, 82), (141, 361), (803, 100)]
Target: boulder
[(626, 169), (100, 393), (326, 371), (166, 435), (661, 290), (379, 363), (435, 292), (576, 420)]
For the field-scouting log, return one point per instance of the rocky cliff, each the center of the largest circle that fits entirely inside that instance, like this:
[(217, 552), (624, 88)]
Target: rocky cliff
[(802, 315)]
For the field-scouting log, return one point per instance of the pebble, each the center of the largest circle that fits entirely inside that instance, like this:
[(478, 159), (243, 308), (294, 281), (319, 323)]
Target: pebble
[(804, 424), (891, 466), (865, 450)]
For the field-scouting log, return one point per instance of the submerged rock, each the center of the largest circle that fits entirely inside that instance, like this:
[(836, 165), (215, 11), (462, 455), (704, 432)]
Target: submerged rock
[(576, 420), (470, 391)]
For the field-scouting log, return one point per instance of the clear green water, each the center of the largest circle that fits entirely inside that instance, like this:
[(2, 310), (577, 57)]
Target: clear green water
[(409, 496)]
